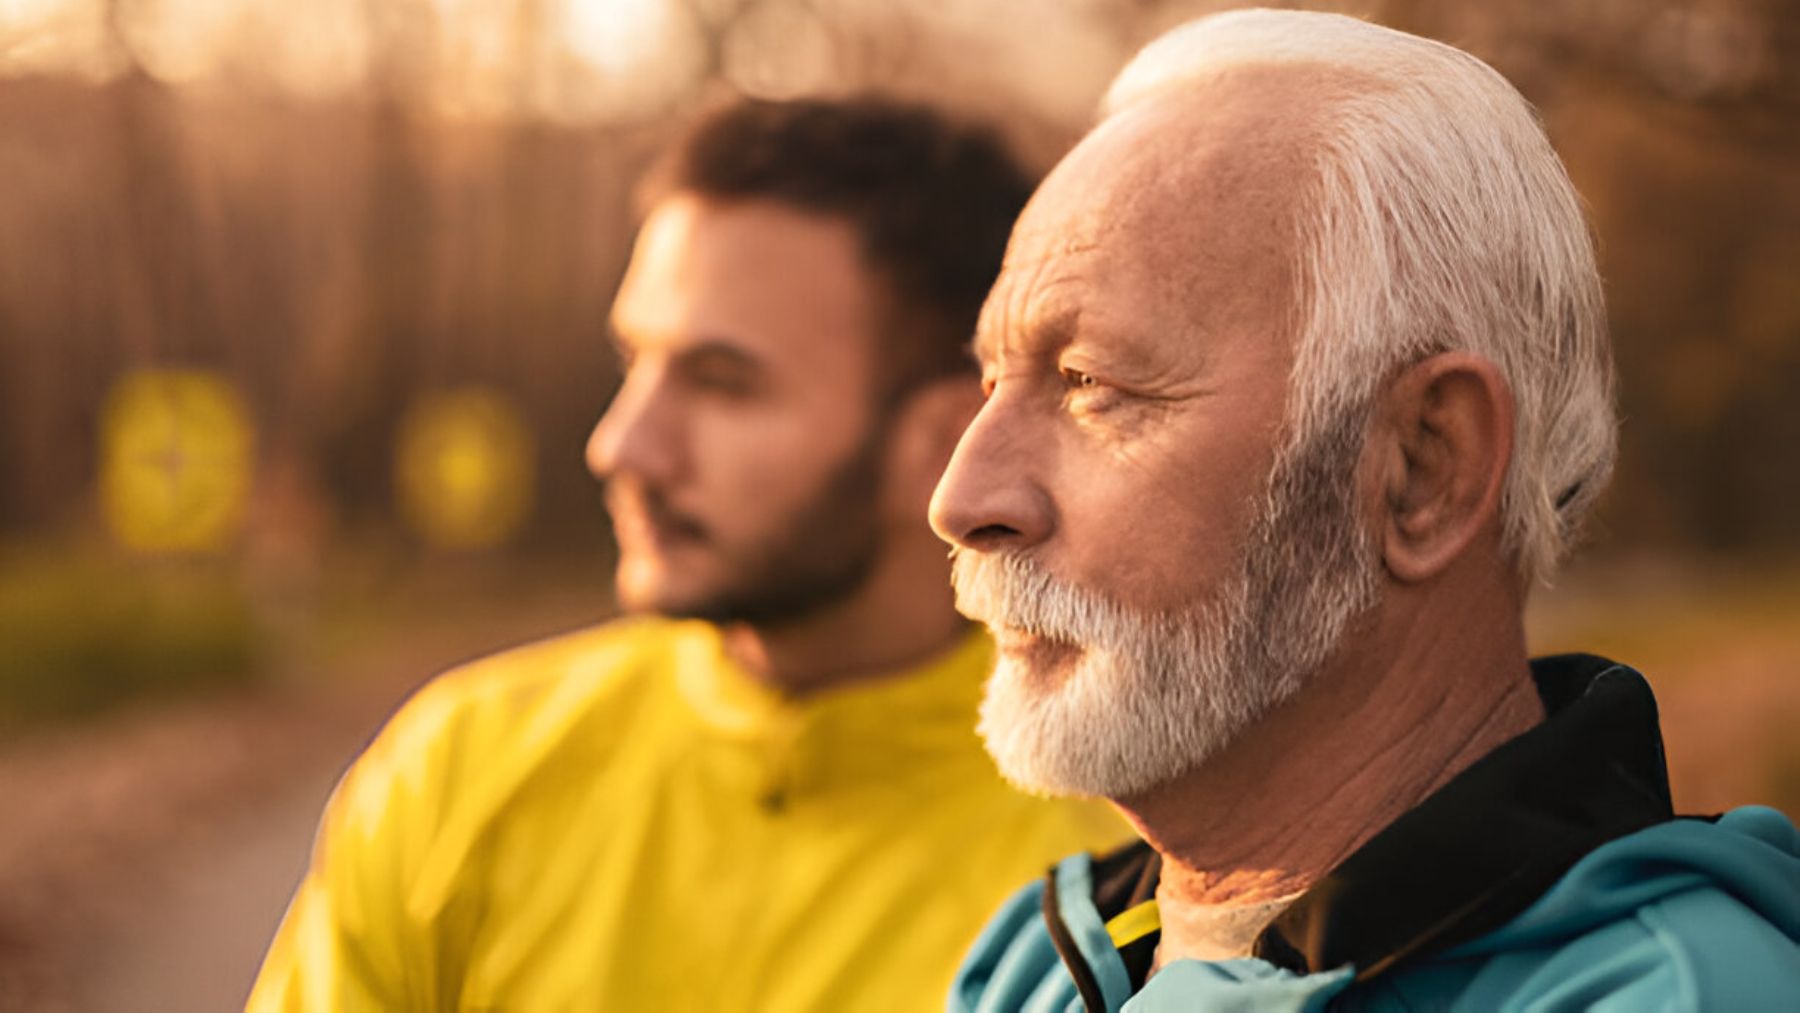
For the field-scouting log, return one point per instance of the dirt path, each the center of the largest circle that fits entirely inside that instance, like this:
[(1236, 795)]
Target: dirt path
[(193, 939), (146, 858)]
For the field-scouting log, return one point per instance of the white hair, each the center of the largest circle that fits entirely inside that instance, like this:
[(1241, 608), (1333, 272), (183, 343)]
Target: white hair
[(1440, 219)]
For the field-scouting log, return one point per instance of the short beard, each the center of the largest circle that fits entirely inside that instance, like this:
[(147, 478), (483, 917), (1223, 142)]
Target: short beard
[(824, 553), (1151, 697)]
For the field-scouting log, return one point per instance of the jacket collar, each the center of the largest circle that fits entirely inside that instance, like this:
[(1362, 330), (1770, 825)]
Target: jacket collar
[(1475, 853)]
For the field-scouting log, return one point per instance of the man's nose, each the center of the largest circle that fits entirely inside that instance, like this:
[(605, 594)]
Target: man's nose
[(636, 434), (987, 499)]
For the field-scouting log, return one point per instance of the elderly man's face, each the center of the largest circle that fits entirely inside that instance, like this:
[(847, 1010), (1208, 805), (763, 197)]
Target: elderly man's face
[(1112, 504)]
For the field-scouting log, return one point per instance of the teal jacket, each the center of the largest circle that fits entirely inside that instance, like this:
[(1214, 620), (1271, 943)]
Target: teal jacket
[(1553, 874)]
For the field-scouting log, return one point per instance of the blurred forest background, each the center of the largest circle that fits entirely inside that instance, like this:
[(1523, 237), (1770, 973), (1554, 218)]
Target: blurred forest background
[(302, 318)]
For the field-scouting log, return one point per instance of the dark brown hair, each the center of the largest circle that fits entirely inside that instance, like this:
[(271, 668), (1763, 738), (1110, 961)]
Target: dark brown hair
[(932, 199)]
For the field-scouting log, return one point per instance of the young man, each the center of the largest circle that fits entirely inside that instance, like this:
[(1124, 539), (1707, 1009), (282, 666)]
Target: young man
[(1298, 380), (763, 791)]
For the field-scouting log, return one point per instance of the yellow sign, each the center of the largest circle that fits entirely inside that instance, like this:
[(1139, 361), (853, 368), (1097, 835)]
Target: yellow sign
[(175, 460), (464, 468)]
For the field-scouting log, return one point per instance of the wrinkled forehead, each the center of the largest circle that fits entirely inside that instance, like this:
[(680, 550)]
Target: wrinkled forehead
[(1193, 197)]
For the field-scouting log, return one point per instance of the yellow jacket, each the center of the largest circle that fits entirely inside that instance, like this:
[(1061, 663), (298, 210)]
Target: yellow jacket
[(620, 819)]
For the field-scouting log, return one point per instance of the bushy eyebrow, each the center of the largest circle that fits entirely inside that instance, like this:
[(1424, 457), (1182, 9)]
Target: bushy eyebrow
[(981, 346), (1052, 328), (970, 351)]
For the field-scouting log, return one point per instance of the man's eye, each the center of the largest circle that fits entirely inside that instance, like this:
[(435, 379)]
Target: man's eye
[(1078, 380), (717, 375), (728, 383), (1086, 395)]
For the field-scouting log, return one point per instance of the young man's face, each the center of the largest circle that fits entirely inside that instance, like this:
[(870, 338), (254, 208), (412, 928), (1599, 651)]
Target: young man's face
[(742, 456)]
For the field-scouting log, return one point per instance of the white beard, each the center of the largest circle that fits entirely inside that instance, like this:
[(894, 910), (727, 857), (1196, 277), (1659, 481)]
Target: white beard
[(1150, 697)]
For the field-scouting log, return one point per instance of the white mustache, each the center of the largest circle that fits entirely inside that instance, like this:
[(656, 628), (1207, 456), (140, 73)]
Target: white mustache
[(1011, 591)]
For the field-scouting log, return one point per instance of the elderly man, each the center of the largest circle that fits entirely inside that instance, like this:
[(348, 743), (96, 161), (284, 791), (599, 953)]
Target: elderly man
[(1297, 380), (766, 792)]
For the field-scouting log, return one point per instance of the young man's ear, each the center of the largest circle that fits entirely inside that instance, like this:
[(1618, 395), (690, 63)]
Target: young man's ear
[(926, 428), (1446, 432)]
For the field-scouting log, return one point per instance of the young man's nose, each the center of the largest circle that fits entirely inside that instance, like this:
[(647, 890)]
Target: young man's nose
[(637, 434)]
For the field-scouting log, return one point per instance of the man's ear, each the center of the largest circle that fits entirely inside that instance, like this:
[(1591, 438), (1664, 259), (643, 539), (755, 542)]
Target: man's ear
[(1447, 435), (925, 430)]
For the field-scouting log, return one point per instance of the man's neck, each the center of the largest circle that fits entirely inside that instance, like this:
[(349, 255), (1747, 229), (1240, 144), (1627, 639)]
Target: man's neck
[(1398, 714), (901, 616)]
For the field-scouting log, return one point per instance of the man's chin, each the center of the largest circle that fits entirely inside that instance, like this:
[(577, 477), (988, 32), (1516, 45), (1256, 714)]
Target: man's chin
[(1095, 730), (644, 589), (1039, 663), (672, 601), (1027, 728)]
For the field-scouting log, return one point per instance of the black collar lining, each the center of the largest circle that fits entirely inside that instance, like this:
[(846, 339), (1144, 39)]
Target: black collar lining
[(1481, 849)]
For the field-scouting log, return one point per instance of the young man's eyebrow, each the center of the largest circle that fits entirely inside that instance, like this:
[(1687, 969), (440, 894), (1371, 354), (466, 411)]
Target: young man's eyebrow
[(717, 349)]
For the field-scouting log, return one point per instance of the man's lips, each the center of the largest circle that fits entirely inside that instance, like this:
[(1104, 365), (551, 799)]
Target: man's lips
[(1039, 653), (642, 519)]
